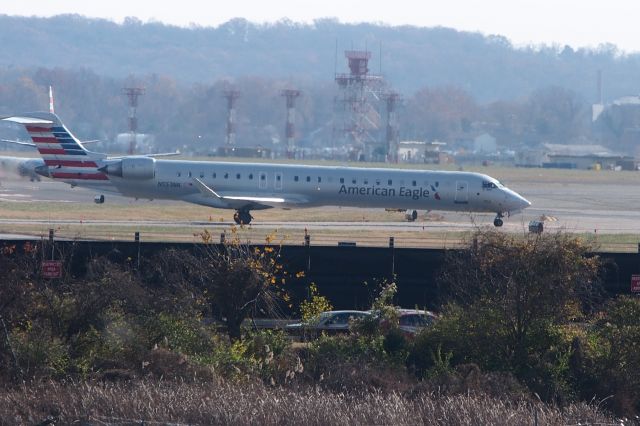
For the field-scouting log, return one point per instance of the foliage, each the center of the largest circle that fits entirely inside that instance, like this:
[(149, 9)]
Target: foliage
[(311, 308), (521, 286), (609, 363), (511, 295), (177, 333), (230, 281), (262, 354), (112, 322), (384, 315)]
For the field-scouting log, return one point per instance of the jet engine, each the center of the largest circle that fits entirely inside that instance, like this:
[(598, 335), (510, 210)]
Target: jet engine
[(138, 168)]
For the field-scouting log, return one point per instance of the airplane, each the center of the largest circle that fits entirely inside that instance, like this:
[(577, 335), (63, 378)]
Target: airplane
[(245, 187)]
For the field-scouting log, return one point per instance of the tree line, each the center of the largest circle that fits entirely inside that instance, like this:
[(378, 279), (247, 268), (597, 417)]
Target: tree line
[(522, 319), (489, 67), (193, 118)]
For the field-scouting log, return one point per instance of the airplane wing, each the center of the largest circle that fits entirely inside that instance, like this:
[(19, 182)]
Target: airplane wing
[(161, 154), (246, 201)]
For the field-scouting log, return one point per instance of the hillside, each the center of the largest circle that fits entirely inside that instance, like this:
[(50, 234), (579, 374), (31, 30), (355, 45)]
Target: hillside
[(488, 67)]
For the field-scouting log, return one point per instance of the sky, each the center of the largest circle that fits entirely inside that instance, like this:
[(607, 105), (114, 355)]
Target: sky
[(577, 23)]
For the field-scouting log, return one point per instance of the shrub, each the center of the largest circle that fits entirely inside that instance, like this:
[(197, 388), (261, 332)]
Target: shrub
[(611, 361), (310, 309), (177, 333)]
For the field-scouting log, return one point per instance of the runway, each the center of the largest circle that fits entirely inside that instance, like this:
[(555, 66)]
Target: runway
[(581, 205)]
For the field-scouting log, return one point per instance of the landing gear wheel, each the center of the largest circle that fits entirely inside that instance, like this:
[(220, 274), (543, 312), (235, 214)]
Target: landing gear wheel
[(414, 215), (242, 217), (497, 222)]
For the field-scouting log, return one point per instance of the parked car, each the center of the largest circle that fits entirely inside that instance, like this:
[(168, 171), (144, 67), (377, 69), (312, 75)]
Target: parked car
[(330, 322), (411, 321)]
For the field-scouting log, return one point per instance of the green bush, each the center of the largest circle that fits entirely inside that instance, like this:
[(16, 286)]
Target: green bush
[(611, 359), (180, 334), (39, 354), (470, 335)]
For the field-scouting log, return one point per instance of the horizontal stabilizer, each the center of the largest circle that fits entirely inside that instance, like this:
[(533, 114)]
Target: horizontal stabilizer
[(18, 142), (27, 120)]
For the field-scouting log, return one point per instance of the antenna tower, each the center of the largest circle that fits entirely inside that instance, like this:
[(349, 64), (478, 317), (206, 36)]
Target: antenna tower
[(290, 96), (359, 91), (392, 99), (231, 95), (132, 94)]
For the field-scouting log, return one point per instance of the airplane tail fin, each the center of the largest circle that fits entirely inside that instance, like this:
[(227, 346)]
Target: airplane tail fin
[(64, 156)]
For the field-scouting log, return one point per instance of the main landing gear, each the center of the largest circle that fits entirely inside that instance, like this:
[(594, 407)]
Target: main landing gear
[(99, 199), (498, 220), (242, 217)]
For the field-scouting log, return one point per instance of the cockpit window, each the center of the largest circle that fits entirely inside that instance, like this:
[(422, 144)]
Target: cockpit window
[(488, 185)]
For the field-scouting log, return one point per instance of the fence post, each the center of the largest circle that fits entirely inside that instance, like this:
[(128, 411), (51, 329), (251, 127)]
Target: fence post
[(393, 256), (307, 245), (51, 235), (136, 238)]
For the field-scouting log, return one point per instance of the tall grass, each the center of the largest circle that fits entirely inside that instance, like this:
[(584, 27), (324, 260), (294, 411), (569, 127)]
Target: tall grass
[(250, 403)]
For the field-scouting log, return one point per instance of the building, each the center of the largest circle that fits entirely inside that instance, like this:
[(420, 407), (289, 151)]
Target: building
[(485, 144), (422, 152), (584, 156)]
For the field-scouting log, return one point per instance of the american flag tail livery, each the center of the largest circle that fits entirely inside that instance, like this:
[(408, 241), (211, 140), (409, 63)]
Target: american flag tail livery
[(65, 158)]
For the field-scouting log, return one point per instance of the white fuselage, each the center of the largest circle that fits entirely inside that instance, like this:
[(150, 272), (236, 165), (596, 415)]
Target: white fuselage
[(253, 186), (309, 186)]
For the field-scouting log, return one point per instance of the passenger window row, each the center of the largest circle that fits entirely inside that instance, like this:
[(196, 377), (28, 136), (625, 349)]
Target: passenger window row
[(354, 181)]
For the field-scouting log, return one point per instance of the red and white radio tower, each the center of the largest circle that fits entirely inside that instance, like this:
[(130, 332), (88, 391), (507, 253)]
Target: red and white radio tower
[(290, 128), (231, 95), (392, 99), (133, 93)]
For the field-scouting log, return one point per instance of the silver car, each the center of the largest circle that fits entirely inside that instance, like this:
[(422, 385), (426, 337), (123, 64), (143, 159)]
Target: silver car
[(411, 321), (330, 322)]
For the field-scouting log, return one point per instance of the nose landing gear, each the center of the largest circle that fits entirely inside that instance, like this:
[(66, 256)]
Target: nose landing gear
[(497, 222), (242, 217)]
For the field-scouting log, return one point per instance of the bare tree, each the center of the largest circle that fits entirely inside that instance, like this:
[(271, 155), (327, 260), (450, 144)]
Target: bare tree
[(234, 279)]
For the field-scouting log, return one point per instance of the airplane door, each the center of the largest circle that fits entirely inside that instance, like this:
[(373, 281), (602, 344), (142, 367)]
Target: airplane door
[(462, 192), (262, 181), (277, 183)]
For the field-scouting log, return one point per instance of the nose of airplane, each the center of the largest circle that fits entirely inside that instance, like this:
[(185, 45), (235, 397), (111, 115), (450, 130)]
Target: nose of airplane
[(516, 201)]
